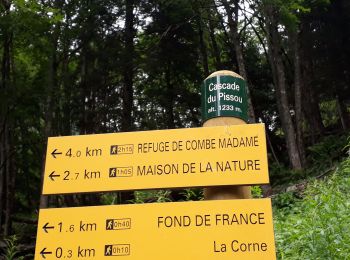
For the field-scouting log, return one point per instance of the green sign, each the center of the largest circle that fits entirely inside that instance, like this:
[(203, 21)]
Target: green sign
[(224, 95)]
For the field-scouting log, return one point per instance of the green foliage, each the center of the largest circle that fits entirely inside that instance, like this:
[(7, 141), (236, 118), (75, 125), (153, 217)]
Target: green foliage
[(152, 196), (109, 198), (282, 174), (328, 111), (11, 250), (325, 153), (285, 200), (321, 157), (24, 231), (318, 227), (193, 194), (256, 192), (290, 11)]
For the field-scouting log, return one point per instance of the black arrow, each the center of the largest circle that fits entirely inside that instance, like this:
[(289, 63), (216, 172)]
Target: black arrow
[(43, 253), (53, 175), (46, 227), (54, 153)]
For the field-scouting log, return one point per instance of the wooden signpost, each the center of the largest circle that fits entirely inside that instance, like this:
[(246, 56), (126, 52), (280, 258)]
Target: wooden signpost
[(227, 153), (224, 103)]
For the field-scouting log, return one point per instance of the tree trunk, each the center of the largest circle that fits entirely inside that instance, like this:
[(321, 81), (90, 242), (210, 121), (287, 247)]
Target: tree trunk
[(128, 73), (50, 107), (299, 119), (281, 88), (232, 17), (312, 110), (2, 166), (216, 52), (271, 147), (7, 172), (170, 98), (44, 199), (202, 44), (10, 185), (231, 49), (310, 101), (66, 106), (343, 113)]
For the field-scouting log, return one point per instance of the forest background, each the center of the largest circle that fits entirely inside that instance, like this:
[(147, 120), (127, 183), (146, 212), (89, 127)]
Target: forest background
[(81, 67)]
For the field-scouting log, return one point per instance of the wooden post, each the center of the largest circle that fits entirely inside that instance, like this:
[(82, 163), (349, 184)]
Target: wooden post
[(224, 102)]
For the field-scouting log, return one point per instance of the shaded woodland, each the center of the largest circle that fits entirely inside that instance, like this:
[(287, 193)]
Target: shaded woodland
[(82, 67)]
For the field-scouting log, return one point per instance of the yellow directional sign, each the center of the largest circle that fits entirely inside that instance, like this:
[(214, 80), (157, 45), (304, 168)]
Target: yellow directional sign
[(193, 157), (227, 229)]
